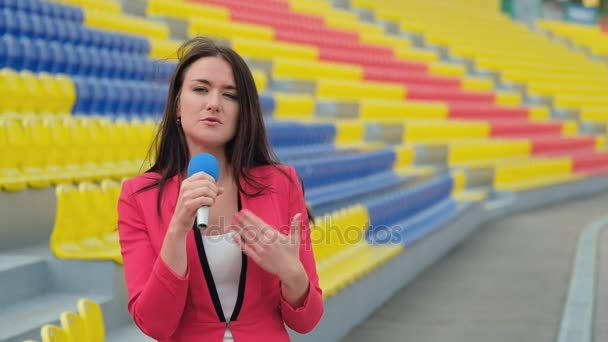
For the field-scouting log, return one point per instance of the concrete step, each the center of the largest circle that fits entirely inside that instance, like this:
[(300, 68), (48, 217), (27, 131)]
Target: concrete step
[(23, 320), (21, 277)]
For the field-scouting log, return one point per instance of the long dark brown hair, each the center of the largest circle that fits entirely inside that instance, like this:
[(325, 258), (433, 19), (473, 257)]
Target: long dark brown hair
[(247, 149)]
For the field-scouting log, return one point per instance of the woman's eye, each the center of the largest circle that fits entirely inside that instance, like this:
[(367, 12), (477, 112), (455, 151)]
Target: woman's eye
[(231, 96), (200, 90)]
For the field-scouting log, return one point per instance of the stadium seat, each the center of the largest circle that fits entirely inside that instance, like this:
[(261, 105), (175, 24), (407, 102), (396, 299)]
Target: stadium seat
[(342, 254), (69, 239), (341, 194), (282, 134), (486, 152), (53, 333), (529, 174), (91, 313), (74, 326), (388, 209)]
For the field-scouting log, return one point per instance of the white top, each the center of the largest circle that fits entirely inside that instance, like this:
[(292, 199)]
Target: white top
[(224, 257)]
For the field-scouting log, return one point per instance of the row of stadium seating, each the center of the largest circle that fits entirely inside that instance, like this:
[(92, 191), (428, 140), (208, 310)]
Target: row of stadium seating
[(87, 325), (38, 55), (590, 37), (547, 68)]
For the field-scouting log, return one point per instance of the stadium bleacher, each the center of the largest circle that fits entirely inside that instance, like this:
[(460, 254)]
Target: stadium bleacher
[(395, 132)]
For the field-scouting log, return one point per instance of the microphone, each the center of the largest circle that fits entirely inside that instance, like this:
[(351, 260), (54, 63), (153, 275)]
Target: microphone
[(204, 162)]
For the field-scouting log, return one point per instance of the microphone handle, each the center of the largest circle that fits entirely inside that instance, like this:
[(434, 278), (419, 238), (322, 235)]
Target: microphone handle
[(202, 217)]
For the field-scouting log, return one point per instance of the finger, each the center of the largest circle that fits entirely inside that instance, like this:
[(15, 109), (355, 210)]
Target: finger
[(199, 193), (296, 227), (247, 249), (252, 241), (196, 203), (201, 176), (201, 184), (220, 190), (251, 220)]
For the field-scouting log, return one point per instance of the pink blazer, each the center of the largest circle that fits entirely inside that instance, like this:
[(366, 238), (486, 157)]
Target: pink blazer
[(168, 307)]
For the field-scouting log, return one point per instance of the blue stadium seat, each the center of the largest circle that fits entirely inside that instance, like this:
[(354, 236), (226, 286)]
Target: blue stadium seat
[(392, 208), (38, 25), (73, 32), (14, 52), (49, 29), (416, 227), (84, 61), (58, 63), (268, 103), (12, 4), (8, 22), (3, 52), (83, 95), (334, 196), (294, 134), (30, 59), (61, 32), (326, 170), (125, 96), (70, 55), (291, 153), (44, 61), (109, 104), (44, 9), (23, 25), (135, 106)]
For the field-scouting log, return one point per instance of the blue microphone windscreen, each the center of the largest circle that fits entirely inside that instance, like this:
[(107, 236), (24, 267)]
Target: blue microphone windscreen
[(204, 162)]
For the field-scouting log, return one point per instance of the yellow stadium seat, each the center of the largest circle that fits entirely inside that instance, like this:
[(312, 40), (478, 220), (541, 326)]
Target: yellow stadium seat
[(11, 177), (309, 70), (11, 91), (293, 105), (342, 253), (229, 30), (164, 49), (446, 69), (430, 131), (349, 132), (125, 23), (414, 54), (185, 10), (401, 110), (353, 90), (77, 233), (267, 49), (260, 79), (67, 97), (484, 152), (74, 326), (533, 173), (53, 333), (112, 6), (92, 315)]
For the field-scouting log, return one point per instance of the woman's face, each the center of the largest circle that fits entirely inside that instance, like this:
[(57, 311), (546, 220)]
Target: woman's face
[(208, 105)]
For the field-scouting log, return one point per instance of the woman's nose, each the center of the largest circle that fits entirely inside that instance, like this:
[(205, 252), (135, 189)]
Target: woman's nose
[(213, 104)]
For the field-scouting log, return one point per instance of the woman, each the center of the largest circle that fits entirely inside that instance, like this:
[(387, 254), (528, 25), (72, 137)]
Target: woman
[(252, 271)]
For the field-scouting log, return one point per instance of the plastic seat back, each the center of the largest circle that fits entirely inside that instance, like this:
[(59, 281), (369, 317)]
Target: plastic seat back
[(53, 333), (91, 312), (74, 327)]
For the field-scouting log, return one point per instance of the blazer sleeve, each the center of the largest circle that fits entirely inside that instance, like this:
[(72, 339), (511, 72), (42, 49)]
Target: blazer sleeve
[(156, 294), (304, 318)]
